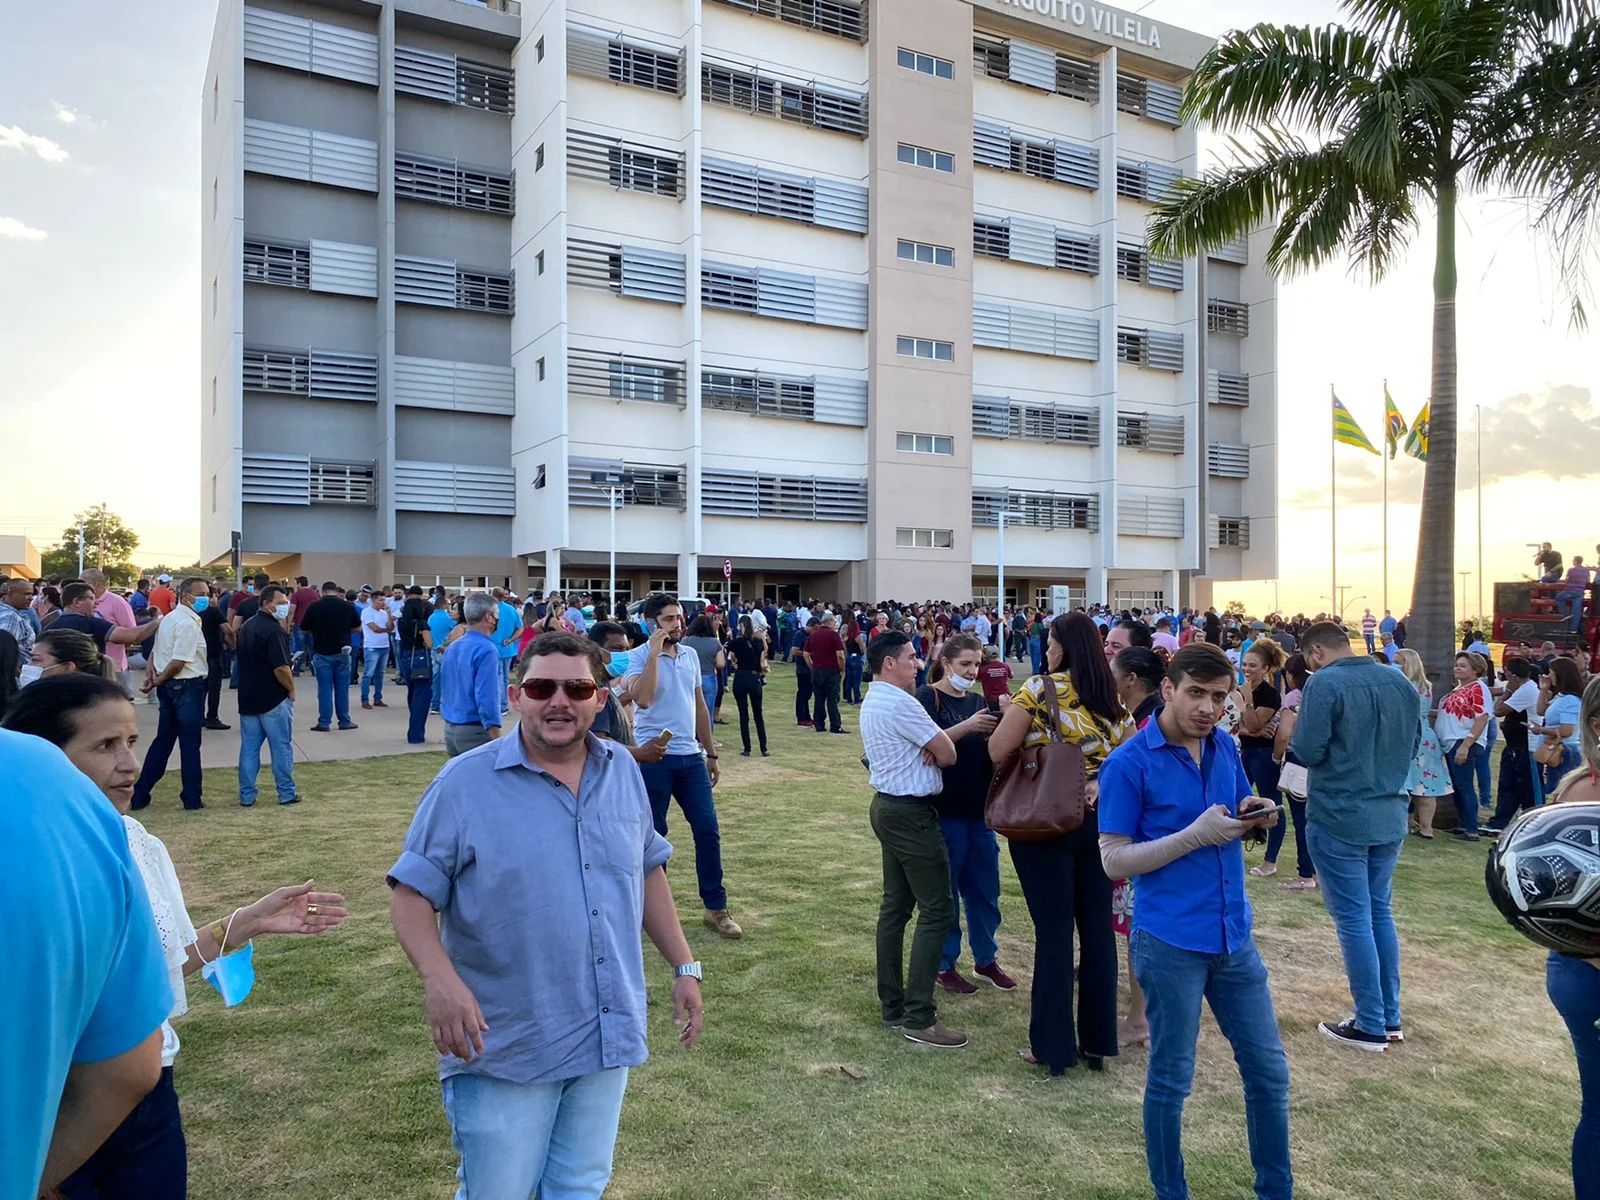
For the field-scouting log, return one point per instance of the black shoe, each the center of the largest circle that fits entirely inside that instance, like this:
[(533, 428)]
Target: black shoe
[(294, 799), (838, 731), (137, 807), (765, 753), (320, 728), (215, 724), (1094, 1062), (744, 754), (195, 807), (1347, 1033), (349, 725)]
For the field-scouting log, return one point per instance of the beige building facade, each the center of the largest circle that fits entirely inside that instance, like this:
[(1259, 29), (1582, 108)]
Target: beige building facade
[(851, 296)]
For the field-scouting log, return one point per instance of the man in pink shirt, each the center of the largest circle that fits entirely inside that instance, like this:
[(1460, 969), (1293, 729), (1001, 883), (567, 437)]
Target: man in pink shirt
[(1162, 638), (109, 606)]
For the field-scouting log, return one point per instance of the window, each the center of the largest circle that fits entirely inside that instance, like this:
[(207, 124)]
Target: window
[(922, 252), (538, 157), (1131, 180), (921, 156), (538, 263), (540, 366), (767, 96), (1131, 262), (342, 483), (538, 471), (1078, 252), (907, 347), (444, 181), (1029, 158), (842, 18), (479, 85), (924, 539), (1232, 533), (637, 171), (728, 289), (924, 443), (281, 263), (645, 68), (1227, 316), (992, 238), (926, 64), (640, 381), (538, 50), (487, 291)]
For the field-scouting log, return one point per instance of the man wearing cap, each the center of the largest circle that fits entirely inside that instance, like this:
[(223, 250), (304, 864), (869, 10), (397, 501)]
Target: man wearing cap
[(162, 598)]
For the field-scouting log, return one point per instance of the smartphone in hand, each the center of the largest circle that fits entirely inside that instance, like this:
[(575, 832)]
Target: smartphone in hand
[(1254, 814)]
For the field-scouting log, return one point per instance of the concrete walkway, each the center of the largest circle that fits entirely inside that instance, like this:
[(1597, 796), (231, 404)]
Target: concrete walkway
[(382, 730)]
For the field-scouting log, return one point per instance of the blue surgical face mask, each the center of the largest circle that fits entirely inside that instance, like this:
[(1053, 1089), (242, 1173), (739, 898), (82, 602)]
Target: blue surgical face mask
[(201, 603), (618, 666), (232, 975)]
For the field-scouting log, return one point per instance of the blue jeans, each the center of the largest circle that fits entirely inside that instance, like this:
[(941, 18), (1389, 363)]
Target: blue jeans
[(505, 684), (1570, 606), (518, 1139), (1305, 865), (684, 776), (1356, 885), (1464, 778), (1485, 792), (1574, 988), (438, 683), (1372, 643), (1551, 776), (372, 663), (1262, 772), (974, 882), (145, 1158), (1235, 986), (183, 704), (276, 728), (419, 692), (852, 678), (1036, 653), (300, 648), (333, 688)]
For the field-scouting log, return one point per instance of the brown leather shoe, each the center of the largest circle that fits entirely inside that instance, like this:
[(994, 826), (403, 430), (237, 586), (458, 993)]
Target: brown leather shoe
[(726, 926), (936, 1035)]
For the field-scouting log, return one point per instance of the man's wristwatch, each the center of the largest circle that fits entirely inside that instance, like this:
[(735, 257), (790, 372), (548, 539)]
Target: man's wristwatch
[(688, 970)]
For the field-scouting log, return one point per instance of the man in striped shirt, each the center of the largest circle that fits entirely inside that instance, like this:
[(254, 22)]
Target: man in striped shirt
[(904, 753)]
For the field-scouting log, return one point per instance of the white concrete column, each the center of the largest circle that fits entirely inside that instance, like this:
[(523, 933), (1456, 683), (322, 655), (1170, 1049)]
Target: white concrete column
[(1169, 588), (689, 573), (552, 570), (1095, 586)]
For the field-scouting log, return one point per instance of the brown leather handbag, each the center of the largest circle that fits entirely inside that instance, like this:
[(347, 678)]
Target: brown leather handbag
[(1039, 792)]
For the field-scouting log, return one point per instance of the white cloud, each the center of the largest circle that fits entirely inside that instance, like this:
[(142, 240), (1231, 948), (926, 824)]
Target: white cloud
[(70, 116), (14, 137), (10, 227)]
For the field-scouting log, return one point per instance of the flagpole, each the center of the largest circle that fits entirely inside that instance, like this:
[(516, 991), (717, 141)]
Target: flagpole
[(1477, 434), (1386, 496), (1333, 501)]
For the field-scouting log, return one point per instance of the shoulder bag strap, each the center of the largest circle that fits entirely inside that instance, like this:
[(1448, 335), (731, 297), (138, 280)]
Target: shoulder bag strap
[(1052, 705)]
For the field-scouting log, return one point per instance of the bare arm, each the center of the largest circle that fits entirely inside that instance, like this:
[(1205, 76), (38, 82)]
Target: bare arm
[(662, 926), (96, 1099), (454, 1017), (703, 734), (1280, 743), (1012, 732), (941, 749)]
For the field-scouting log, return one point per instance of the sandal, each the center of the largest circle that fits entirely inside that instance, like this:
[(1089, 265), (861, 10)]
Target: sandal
[(1264, 870), (1026, 1055), (1300, 885)]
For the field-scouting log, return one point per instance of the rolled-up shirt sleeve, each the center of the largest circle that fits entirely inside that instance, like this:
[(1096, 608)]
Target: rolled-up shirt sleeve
[(432, 854), (486, 689)]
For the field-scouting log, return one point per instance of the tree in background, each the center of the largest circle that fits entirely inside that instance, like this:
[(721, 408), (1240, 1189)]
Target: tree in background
[(107, 544), (1414, 103)]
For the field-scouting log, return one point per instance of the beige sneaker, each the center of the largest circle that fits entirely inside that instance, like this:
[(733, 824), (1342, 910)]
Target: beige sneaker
[(936, 1035), (726, 926)]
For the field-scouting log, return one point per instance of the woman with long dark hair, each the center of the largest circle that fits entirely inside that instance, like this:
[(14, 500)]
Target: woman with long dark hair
[(1062, 879), (749, 667), (416, 663), (1295, 674)]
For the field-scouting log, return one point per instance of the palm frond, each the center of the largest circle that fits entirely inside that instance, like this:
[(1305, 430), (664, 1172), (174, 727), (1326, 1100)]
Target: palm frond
[(1294, 75)]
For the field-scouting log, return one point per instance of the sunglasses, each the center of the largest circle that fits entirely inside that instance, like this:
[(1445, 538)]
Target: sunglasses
[(544, 689)]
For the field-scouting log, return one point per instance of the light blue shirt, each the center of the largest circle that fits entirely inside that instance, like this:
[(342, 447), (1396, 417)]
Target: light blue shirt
[(540, 897), (85, 979), (1564, 709), (508, 625), (472, 692), (440, 625), (676, 702)]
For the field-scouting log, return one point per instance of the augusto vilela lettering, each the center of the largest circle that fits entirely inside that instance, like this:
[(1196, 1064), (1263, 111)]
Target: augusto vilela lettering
[(1089, 16)]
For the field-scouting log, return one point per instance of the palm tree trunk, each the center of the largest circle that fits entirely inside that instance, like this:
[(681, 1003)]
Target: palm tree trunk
[(1432, 625)]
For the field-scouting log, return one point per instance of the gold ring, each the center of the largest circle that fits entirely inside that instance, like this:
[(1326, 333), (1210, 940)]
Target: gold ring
[(311, 910)]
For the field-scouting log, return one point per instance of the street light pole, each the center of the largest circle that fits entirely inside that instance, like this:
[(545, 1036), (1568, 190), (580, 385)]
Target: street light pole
[(1464, 575), (1000, 580), (615, 489)]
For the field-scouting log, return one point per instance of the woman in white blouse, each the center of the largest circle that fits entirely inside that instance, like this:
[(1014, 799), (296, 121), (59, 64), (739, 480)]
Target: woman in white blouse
[(92, 721)]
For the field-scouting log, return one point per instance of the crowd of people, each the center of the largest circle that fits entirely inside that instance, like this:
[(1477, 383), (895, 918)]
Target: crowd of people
[(1196, 732)]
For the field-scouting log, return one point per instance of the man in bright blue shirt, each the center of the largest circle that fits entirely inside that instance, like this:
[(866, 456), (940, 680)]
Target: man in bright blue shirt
[(1166, 808), (507, 629), (473, 689), (441, 624), (86, 983)]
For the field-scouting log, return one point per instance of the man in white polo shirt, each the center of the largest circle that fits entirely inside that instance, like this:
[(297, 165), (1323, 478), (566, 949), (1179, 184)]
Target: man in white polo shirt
[(904, 751), (177, 675)]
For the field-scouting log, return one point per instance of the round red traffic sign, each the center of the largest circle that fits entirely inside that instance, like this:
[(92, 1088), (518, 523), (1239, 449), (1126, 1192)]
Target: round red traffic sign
[(727, 568)]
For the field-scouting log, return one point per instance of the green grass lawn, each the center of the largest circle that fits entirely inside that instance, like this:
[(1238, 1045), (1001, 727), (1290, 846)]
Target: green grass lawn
[(322, 1086)]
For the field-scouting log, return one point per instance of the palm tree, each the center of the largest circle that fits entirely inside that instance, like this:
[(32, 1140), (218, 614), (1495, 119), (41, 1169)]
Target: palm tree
[(1357, 131)]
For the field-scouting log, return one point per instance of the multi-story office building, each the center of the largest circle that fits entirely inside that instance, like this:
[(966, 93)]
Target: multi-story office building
[(853, 295)]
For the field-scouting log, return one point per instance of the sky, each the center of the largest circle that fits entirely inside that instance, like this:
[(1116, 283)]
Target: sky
[(100, 302)]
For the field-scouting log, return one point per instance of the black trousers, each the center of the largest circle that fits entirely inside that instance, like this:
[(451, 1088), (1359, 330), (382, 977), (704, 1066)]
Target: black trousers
[(1514, 791), (145, 1158), (747, 695), (1065, 885), (802, 697), (825, 691), (214, 676)]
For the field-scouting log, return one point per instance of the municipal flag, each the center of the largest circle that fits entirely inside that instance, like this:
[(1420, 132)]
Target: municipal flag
[(1347, 431), (1417, 439), (1394, 425)]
